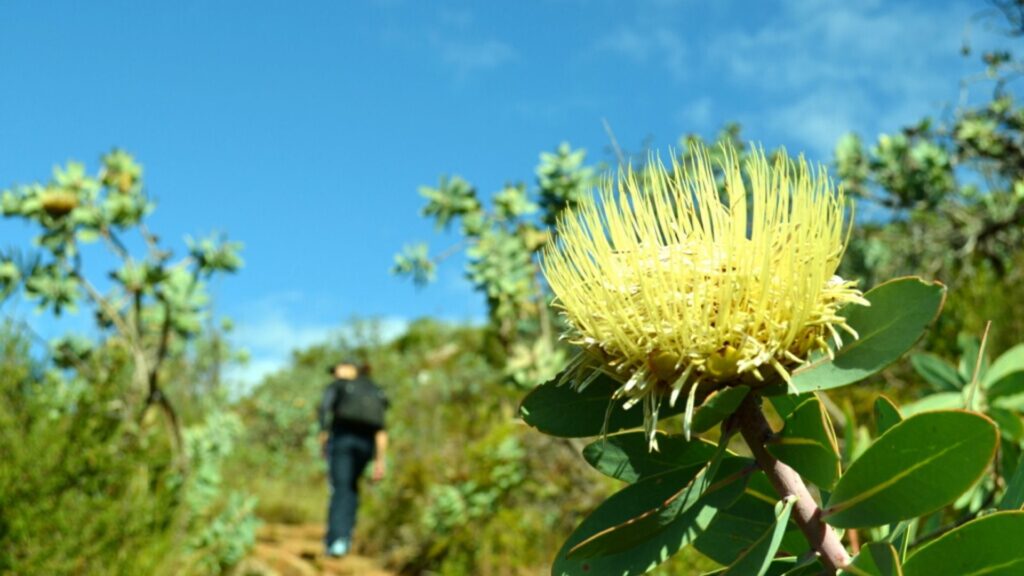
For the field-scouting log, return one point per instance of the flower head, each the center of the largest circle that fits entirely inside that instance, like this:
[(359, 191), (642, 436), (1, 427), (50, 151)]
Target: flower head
[(674, 280)]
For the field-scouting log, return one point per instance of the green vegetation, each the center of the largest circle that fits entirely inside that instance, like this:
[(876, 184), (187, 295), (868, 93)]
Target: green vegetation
[(113, 444), (121, 453)]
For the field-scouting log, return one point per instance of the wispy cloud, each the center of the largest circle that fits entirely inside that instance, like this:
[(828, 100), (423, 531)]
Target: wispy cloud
[(271, 328), (467, 56), (463, 48), (841, 60), (641, 45), (696, 115)]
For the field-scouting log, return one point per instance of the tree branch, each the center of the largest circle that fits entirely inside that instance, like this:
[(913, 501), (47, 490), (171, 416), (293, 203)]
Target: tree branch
[(153, 243), (107, 308), (161, 353), (115, 244), (787, 482)]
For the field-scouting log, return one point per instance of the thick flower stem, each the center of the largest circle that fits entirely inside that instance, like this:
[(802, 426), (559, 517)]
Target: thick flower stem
[(823, 539)]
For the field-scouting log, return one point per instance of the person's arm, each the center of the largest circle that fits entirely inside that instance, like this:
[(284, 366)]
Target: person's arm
[(326, 416), (380, 439)]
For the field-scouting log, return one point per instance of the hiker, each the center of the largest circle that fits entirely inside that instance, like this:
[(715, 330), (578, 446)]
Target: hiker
[(351, 434)]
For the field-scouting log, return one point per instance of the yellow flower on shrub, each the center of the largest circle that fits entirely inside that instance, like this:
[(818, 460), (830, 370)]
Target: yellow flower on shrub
[(670, 282)]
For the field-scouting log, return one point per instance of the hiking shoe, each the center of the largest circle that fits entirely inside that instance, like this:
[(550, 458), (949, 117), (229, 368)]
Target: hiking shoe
[(338, 548)]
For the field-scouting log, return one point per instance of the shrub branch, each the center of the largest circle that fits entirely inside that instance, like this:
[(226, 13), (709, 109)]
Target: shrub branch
[(787, 482)]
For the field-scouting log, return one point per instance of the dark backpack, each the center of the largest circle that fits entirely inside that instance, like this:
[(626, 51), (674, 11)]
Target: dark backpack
[(360, 402)]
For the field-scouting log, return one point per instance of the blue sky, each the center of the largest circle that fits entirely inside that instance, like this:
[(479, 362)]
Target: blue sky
[(303, 129)]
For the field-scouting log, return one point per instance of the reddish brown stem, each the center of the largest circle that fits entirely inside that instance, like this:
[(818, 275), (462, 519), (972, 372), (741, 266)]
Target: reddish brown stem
[(787, 482), (854, 537)]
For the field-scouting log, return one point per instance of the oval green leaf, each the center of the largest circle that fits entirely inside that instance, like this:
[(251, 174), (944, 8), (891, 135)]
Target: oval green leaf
[(735, 529), (1013, 497), (757, 559), (566, 412), (1008, 393), (875, 559), (784, 404), (989, 545), (783, 567), (717, 407), (645, 523), (942, 376), (900, 312), (936, 401), (887, 414), (1010, 425), (1011, 362), (920, 465), (808, 444), (714, 485), (628, 457)]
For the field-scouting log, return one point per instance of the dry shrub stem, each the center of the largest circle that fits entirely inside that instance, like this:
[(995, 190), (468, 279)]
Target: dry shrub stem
[(787, 482)]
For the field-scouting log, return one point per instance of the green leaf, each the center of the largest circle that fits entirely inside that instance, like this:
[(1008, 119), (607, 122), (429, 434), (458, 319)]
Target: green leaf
[(568, 413), (708, 488), (717, 407), (971, 349), (782, 567), (856, 438), (1009, 423), (87, 236), (918, 466), (901, 310), (1007, 365), (1013, 498), (989, 545), (807, 442), (887, 414), (1005, 380), (1008, 393), (757, 559), (627, 456), (942, 376), (902, 534), (628, 503), (736, 528), (784, 404), (875, 559), (937, 401), (647, 497)]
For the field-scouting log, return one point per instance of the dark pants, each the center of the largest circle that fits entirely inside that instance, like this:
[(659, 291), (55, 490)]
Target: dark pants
[(348, 454)]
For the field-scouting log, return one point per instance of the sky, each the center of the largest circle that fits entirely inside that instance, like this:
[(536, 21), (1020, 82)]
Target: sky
[(304, 129)]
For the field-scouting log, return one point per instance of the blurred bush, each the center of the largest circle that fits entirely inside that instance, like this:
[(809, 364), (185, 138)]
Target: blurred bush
[(82, 490), (86, 490)]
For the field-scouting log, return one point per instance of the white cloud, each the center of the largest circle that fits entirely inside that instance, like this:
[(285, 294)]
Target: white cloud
[(469, 56), (276, 331), (843, 59), (243, 377), (696, 115), (273, 327), (818, 120), (644, 46), (463, 50), (627, 42)]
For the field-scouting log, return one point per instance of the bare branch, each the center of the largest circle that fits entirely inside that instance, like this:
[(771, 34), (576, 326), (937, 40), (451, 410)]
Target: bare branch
[(787, 482)]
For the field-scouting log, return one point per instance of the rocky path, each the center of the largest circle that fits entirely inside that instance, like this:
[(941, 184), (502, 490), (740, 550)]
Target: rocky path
[(297, 550)]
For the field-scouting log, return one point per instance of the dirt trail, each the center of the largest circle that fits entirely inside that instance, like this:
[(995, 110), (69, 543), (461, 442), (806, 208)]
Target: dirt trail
[(297, 550)]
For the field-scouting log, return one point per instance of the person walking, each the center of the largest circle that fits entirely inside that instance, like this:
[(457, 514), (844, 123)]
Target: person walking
[(352, 433)]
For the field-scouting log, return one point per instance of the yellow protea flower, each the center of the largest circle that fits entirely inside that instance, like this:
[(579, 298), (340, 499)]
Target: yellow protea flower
[(669, 283)]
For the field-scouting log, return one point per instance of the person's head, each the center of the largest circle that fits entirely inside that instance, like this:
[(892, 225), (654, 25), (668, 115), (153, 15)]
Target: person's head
[(344, 370)]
